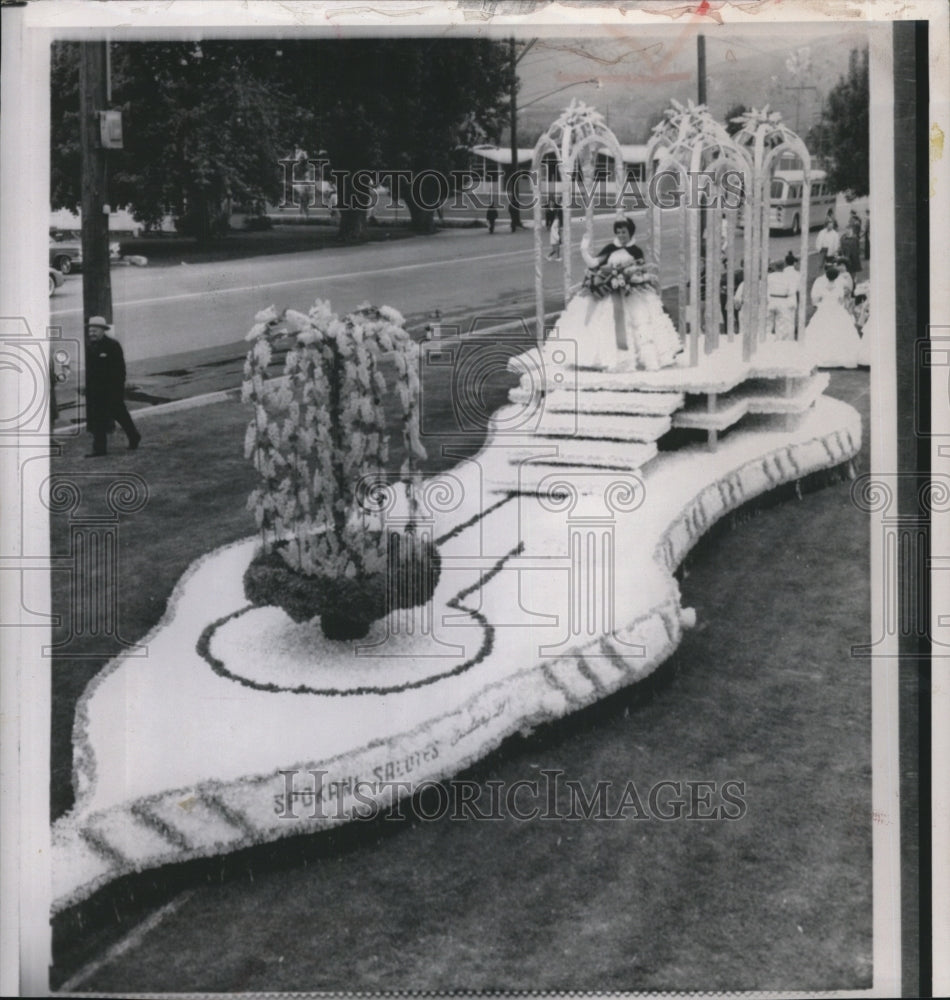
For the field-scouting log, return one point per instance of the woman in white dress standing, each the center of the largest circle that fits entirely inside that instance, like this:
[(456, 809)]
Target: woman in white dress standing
[(831, 335), (617, 318)]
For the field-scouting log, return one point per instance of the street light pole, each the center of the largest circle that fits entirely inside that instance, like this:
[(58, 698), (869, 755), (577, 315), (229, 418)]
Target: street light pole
[(96, 275)]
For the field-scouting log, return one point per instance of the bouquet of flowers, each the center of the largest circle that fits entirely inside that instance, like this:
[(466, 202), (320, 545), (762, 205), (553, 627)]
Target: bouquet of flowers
[(623, 278)]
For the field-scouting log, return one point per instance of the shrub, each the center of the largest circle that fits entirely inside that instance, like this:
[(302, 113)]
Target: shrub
[(258, 223)]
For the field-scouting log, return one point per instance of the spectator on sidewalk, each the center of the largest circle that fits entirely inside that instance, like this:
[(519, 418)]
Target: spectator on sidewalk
[(555, 239), (828, 240), (514, 214), (105, 388), (492, 217), (850, 248), (784, 299)]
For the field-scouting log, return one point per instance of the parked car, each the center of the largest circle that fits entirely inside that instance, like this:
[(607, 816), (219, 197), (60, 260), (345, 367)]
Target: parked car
[(55, 279), (65, 252)]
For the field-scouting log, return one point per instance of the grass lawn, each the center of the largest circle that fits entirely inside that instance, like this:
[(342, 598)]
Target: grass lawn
[(763, 691)]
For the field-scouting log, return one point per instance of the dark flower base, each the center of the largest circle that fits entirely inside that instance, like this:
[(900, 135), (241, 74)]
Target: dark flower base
[(346, 606)]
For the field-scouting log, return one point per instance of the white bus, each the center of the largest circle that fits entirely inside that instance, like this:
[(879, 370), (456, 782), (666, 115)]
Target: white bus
[(785, 200)]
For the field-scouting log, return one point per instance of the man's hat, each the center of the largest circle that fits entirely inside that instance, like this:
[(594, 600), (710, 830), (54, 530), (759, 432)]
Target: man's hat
[(100, 322)]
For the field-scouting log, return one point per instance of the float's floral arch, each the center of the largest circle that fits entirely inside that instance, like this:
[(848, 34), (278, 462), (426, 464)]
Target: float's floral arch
[(765, 138), (573, 139), (687, 146)]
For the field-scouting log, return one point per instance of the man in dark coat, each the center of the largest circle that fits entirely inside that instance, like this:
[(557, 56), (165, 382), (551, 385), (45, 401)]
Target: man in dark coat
[(850, 249), (105, 388)]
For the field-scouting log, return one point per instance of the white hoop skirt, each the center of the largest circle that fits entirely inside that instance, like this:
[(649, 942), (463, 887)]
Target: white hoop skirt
[(620, 332), (833, 340)]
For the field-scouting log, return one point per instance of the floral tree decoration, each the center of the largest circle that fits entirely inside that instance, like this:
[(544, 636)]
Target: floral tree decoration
[(319, 440), (684, 122), (774, 129)]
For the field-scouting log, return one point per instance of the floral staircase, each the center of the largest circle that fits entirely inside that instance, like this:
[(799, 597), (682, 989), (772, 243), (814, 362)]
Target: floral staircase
[(567, 417)]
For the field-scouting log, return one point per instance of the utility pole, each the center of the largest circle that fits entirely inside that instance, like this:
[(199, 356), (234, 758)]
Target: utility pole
[(512, 184), (93, 98), (701, 66), (798, 88)]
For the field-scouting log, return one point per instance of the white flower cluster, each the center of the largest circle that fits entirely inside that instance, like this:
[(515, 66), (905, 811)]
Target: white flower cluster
[(763, 128), (320, 432)]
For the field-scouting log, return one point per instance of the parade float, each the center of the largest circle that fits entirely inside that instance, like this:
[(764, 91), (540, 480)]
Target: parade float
[(383, 630)]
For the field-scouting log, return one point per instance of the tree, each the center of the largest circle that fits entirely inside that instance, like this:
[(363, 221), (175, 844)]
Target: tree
[(397, 105), (209, 121), (203, 124), (842, 133)]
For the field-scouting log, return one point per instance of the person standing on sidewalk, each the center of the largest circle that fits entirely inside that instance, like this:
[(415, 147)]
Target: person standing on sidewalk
[(514, 214), (555, 239), (492, 216), (850, 246), (828, 240), (105, 388)]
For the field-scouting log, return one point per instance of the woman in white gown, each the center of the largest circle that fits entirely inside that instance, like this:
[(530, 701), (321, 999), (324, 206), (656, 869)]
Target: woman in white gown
[(619, 328), (831, 335)]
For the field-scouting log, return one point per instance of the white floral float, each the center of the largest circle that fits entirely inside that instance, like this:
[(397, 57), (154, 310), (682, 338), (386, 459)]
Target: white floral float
[(557, 547)]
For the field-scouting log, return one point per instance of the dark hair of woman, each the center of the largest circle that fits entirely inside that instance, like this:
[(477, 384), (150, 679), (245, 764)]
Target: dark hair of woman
[(627, 224)]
